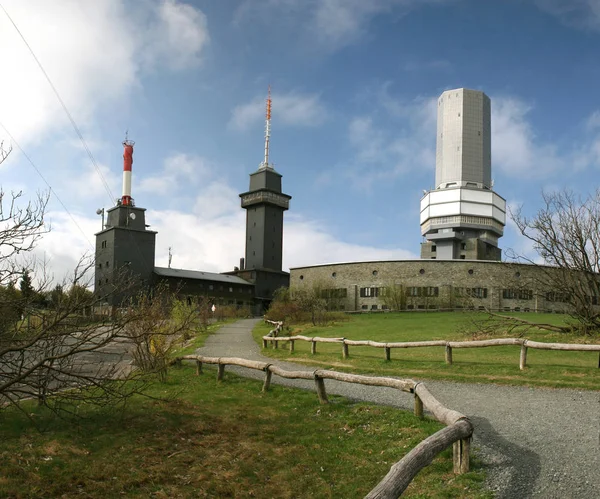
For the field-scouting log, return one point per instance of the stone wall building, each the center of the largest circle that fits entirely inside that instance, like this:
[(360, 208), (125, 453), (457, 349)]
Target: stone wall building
[(433, 285)]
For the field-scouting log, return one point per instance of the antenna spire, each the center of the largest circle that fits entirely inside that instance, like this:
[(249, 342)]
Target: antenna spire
[(126, 199), (265, 163)]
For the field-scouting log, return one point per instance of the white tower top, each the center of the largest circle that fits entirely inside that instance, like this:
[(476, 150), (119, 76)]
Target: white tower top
[(463, 145)]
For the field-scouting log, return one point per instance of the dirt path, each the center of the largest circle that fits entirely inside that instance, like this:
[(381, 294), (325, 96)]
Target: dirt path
[(542, 443)]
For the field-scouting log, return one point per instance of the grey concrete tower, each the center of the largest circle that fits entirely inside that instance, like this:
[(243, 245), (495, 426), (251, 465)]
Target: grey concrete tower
[(125, 248), (463, 218), (264, 204)]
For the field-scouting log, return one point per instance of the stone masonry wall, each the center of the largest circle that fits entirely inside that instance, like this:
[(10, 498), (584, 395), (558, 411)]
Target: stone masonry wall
[(459, 283)]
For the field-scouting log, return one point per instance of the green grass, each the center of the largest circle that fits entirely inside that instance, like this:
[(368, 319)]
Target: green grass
[(224, 439), (482, 365)]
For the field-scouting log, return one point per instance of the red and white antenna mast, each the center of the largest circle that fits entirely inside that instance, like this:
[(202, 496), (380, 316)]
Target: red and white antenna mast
[(126, 199), (265, 163)]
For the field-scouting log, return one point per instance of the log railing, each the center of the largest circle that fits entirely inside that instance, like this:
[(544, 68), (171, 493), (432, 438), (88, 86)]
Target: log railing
[(458, 430), (448, 345)]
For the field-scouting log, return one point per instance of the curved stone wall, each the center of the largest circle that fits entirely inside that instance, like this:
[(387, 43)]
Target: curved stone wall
[(431, 284)]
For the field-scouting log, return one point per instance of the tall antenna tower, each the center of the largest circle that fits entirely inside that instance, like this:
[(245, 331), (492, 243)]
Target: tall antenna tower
[(265, 163)]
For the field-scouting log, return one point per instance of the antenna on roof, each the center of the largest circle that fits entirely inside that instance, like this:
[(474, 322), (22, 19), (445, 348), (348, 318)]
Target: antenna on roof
[(265, 163), (170, 256)]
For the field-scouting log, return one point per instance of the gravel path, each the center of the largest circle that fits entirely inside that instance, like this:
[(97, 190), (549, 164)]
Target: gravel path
[(542, 443)]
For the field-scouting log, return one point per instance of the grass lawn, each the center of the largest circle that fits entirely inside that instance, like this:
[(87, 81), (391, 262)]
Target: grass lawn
[(481, 365), (224, 439)]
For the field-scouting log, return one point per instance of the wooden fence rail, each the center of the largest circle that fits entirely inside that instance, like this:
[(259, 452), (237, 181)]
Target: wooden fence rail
[(457, 433), (448, 345)]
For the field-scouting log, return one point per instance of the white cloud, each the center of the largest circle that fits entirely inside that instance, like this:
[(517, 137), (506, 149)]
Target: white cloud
[(291, 109), (518, 152), (404, 144), (179, 171), (331, 23), (181, 34), (97, 52), (581, 14)]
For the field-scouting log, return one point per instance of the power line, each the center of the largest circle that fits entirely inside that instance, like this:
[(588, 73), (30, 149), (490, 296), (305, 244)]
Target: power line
[(47, 183), (73, 124)]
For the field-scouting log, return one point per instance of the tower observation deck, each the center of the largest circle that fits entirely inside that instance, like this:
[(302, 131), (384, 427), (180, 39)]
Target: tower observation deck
[(463, 218)]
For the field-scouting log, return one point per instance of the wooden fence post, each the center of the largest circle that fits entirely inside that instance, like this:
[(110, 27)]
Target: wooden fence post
[(291, 345), (523, 356), (418, 407), (388, 355), (448, 354), (198, 368), (267, 382), (264, 343), (460, 455), (313, 347), (276, 344), (220, 372), (320, 383), (344, 349)]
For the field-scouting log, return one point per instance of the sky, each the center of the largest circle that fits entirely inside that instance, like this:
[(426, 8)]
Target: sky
[(354, 86)]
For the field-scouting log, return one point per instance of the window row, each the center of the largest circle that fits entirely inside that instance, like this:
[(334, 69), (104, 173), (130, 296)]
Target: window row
[(422, 291), (517, 294)]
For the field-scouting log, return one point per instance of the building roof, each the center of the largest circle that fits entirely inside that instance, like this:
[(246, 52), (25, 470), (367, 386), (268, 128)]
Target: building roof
[(197, 274)]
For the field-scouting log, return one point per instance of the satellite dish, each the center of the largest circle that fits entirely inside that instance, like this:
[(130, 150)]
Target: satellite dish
[(132, 216)]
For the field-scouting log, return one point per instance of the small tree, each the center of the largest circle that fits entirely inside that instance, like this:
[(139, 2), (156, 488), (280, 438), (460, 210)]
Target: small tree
[(393, 296), (565, 234)]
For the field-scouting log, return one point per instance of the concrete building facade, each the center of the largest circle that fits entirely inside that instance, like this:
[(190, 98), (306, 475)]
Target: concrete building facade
[(463, 218)]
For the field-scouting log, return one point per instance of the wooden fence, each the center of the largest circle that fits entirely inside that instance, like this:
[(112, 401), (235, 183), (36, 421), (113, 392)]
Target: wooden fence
[(458, 430), (448, 345)]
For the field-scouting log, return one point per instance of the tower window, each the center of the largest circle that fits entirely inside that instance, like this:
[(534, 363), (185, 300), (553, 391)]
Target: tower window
[(107, 265), (103, 244), (99, 265)]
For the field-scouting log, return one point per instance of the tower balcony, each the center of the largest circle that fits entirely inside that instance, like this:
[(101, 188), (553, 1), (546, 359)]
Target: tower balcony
[(265, 197), (460, 207)]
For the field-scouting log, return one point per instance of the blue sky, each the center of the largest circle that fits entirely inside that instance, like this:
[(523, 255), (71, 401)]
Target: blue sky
[(354, 87)]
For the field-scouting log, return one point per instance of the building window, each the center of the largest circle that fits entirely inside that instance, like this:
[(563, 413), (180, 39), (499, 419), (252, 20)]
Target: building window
[(433, 248), (374, 273), (99, 282), (422, 271), (210, 287), (103, 244), (333, 274), (470, 271), (463, 246), (557, 296), (517, 274), (230, 289), (369, 292), (99, 265), (334, 293), (477, 292), (373, 307), (107, 265), (517, 294), (364, 307), (462, 257)]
